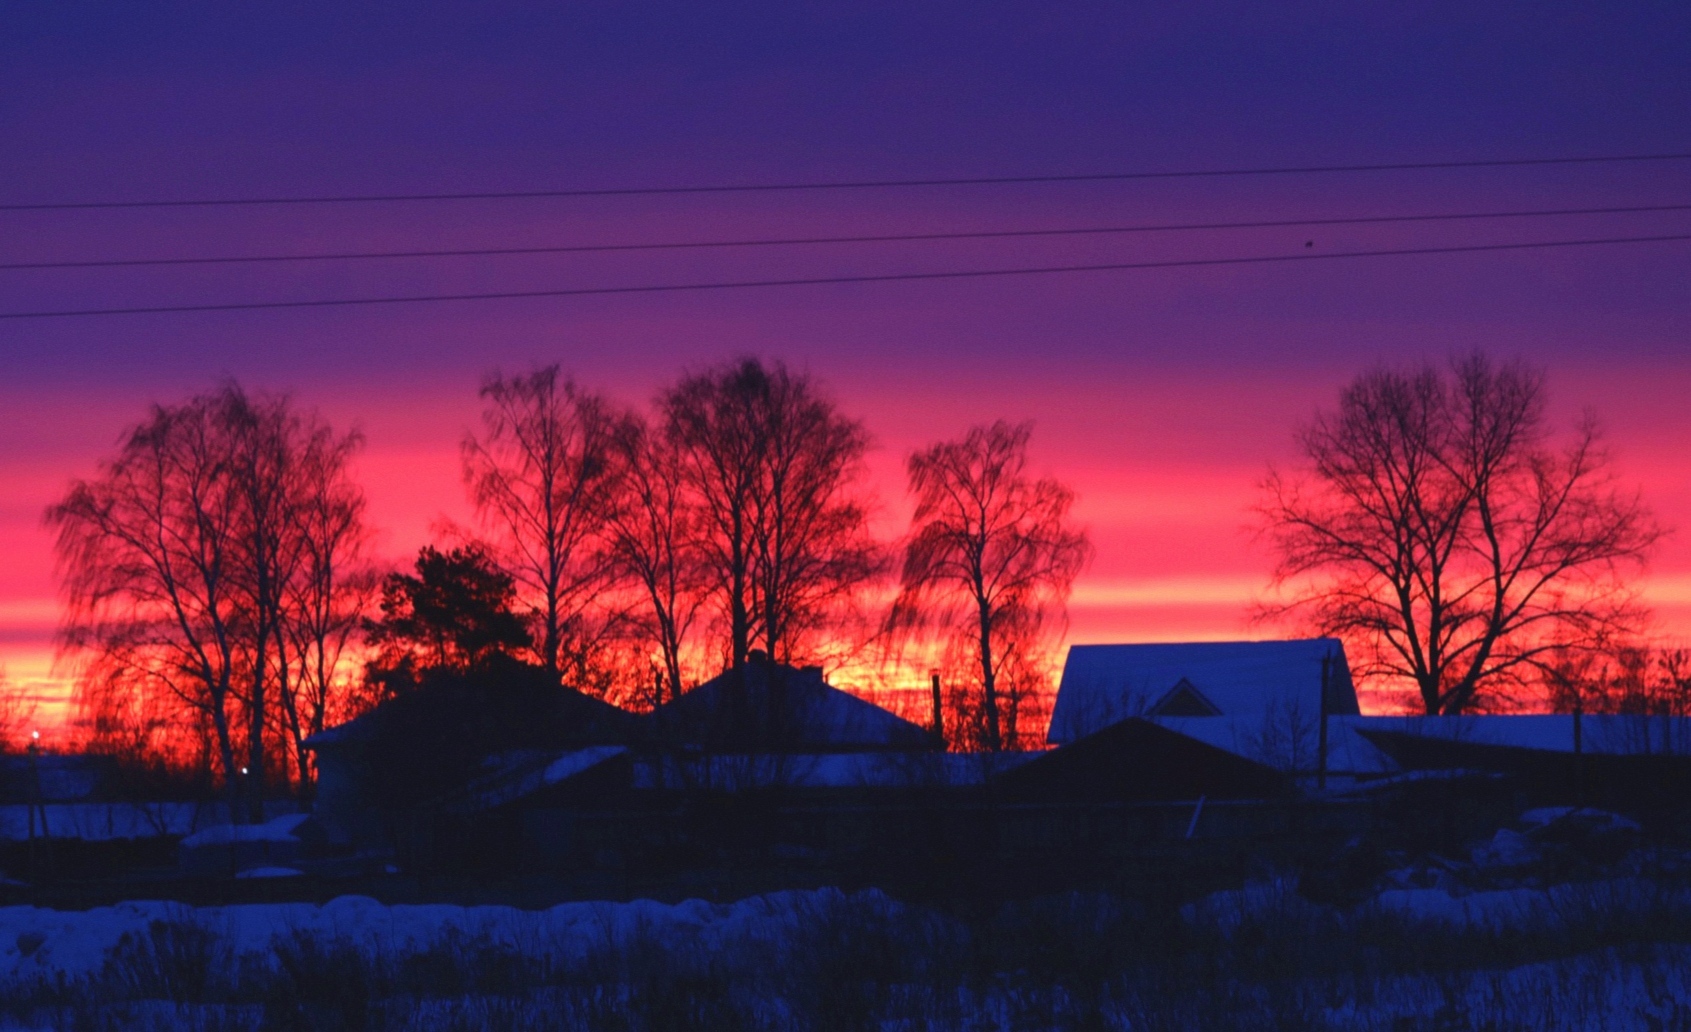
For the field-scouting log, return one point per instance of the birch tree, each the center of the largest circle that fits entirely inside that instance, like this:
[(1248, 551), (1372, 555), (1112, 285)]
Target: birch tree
[(540, 475), (988, 565)]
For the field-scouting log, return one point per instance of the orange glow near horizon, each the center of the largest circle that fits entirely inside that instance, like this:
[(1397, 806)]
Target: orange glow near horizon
[(1168, 505)]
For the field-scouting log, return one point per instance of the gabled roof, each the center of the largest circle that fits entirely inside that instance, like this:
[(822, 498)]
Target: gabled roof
[(1288, 747), (772, 707), (1137, 760), (511, 709), (1184, 700), (1247, 681)]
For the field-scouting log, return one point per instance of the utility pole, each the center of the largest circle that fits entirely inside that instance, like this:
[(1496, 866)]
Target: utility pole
[(1321, 745), (939, 712)]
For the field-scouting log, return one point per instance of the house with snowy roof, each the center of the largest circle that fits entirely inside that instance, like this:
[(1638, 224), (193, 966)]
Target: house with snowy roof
[(538, 755), (763, 725), (1215, 718), (1238, 681), (1231, 719)]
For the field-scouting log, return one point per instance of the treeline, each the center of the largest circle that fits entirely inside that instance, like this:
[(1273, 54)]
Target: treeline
[(223, 599), (225, 604)]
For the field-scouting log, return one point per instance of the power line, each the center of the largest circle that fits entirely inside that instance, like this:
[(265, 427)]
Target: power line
[(824, 280), (788, 241), (865, 184)]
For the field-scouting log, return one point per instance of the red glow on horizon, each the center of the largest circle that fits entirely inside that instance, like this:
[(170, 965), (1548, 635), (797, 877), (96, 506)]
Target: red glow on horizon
[(1165, 480)]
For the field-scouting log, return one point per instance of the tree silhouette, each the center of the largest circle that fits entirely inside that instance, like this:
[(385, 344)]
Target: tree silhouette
[(989, 562), (184, 564), (1437, 526), (770, 466), (652, 543), (541, 477), (454, 613)]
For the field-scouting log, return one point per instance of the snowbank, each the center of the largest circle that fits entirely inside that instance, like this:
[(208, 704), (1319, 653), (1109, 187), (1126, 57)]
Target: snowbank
[(101, 821), (278, 829), (50, 944)]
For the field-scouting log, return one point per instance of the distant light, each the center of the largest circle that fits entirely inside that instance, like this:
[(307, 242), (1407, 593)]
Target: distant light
[(243, 770), (35, 735)]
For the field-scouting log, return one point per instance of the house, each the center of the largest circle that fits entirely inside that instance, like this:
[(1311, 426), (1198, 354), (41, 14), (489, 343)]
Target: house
[(460, 758), (1263, 702), (431, 741), (1267, 701), (760, 728), (1242, 682)]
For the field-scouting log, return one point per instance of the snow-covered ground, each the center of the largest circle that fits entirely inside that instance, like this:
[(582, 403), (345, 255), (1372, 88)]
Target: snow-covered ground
[(51, 945), (1607, 954), (99, 821)]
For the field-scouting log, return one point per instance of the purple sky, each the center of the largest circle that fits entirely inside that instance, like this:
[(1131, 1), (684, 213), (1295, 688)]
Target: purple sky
[(1160, 394)]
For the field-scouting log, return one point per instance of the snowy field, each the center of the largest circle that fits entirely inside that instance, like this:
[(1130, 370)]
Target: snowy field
[(1608, 955), (94, 822)]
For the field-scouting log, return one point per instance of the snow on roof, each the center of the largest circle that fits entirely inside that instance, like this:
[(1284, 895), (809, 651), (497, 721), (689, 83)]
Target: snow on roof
[(771, 706), (1284, 744), (1609, 734), (1246, 680), (278, 829), (529, 772)]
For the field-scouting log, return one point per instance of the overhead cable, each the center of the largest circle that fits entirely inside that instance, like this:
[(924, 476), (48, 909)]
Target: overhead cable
[(826, 280), (483, 252), (863, 184)]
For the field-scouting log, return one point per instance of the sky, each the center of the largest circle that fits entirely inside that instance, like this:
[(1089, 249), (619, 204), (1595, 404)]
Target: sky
[(1161, 395)]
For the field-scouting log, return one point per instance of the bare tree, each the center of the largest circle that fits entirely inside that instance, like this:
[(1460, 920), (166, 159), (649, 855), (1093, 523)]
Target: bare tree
[(145, 553), (260, 438), (989, 563), (651, 539), (540, 474), (331, 588), (1438, 527), (712, 421), (811, 546), (1287, 738), (1648, 689), (770, 467), (181, 565)]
